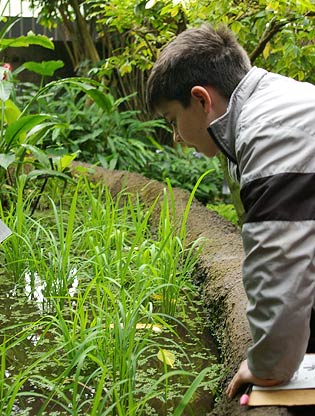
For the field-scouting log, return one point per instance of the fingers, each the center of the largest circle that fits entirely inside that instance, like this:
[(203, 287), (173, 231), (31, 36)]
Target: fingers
[(244, 376), (234, 386)]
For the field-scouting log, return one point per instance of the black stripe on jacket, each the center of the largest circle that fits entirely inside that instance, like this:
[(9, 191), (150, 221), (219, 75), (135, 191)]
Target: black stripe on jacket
[(281, 197)]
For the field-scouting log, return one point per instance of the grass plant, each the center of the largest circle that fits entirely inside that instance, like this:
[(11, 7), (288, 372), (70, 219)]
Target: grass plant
[(114, 293)]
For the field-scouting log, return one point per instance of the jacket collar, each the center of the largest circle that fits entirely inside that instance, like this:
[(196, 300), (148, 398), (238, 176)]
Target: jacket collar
[(222, 130)]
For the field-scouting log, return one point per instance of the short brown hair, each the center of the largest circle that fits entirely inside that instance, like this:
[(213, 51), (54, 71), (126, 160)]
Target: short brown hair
[(198, 56)]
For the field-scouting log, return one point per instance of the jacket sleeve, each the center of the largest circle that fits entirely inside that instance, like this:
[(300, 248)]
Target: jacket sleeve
[(278, 275), (279, 242)]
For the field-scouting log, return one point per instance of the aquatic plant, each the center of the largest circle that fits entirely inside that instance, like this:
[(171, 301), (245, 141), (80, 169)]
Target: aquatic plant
[(110, 293)]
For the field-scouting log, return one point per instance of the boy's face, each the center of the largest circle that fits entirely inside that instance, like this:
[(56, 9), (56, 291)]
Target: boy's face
[(190, 124)]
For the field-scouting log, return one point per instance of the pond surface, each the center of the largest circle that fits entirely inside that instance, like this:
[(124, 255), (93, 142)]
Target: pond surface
[(22, 309)]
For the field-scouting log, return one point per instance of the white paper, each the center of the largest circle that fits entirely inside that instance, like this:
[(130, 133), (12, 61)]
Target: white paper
[(4, 231), (303, 378)]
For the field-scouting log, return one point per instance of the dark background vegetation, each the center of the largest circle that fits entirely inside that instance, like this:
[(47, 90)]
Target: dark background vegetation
[(116, 43)]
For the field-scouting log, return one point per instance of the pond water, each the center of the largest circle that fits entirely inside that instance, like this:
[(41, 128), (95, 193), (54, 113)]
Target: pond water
[(25, 315)]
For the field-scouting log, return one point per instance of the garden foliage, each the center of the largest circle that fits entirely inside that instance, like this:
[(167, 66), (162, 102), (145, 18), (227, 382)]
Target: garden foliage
[(103, 317), (277, 34)]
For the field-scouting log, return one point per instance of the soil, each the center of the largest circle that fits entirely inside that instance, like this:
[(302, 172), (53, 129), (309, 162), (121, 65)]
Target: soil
[(218, 274)]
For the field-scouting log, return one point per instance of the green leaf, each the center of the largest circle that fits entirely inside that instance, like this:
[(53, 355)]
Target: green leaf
[(11, 112), (35, 134), (25, 41), (190, 391), (44, 173), (102, 100), (5, 90), (6, 159), (45, 68), (88, 86), (266, 51), (167, 357), (65, 161), (39, 154), (236, 26), (17, 130)]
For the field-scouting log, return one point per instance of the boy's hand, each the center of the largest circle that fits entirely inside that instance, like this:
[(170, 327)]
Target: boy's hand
[(244, 376)]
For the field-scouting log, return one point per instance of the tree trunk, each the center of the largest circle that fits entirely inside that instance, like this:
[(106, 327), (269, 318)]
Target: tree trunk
[(85, 34)]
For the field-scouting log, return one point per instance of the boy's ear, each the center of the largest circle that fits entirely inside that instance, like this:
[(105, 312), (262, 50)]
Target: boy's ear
[(202, 95)]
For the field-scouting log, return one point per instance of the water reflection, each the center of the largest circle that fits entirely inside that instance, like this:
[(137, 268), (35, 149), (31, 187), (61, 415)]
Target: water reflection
[(35, 288)]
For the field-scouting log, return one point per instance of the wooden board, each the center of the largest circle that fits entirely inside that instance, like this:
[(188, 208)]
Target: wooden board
[(301, 397), (299, 391)]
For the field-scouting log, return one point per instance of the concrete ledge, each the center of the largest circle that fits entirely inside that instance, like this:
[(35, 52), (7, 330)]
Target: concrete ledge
[(219, 275)]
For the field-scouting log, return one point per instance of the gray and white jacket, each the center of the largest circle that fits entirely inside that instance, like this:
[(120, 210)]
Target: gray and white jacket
[(268, 132)]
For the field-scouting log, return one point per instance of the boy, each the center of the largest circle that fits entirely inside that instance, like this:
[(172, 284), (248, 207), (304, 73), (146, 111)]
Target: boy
[(204, 85)]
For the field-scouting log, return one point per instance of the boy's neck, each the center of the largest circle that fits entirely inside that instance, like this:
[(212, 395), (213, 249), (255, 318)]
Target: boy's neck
[(219, 102)]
